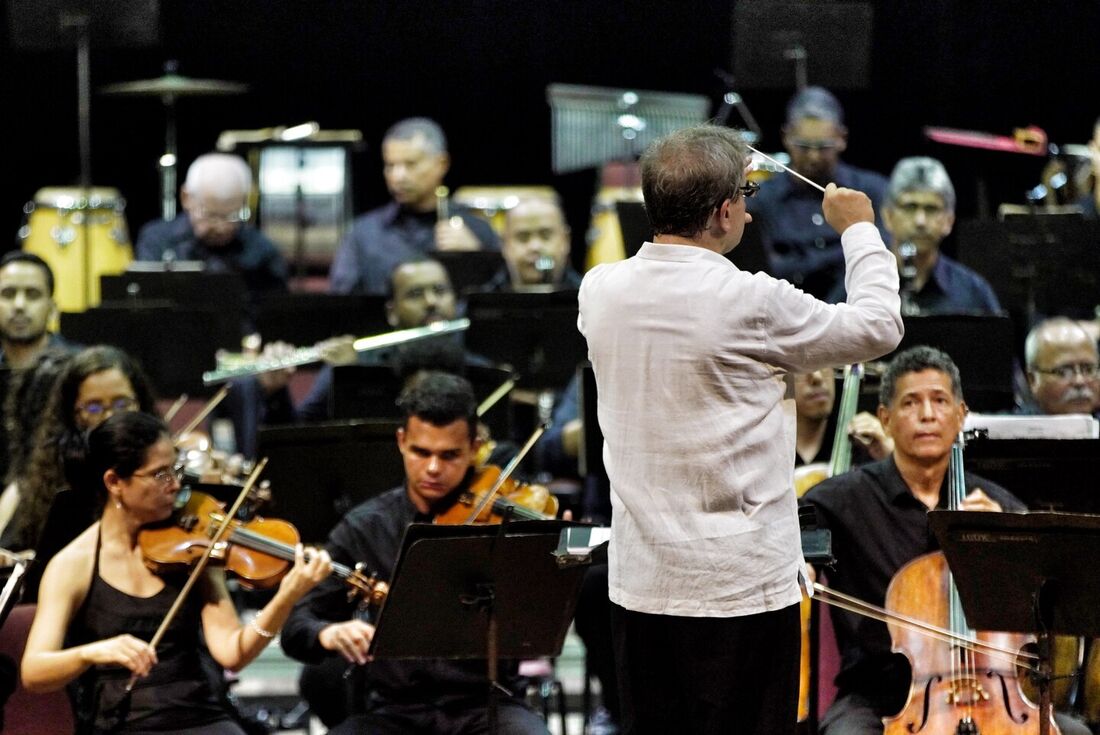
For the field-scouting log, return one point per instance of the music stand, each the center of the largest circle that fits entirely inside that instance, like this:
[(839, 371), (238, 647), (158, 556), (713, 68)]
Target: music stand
[(535, 333), (308, 318), (1037, 265), (986, 373), (469, 270), (318, 472), (452, 585), (1023, 573), (154, 282), (1047, 474), (174, 344)]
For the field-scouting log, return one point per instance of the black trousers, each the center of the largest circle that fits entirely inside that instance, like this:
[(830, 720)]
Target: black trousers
[(708, 676)]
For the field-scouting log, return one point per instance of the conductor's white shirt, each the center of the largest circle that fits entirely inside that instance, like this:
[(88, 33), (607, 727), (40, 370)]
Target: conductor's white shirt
[(690, 356)]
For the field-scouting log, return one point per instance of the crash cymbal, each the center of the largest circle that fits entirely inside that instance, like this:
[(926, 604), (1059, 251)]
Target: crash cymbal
[(173, 85)]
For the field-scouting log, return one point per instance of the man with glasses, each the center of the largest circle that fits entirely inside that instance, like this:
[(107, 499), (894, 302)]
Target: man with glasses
[(691, 357), (919, 213), (801, 245), (1062, 368), (213, 227)]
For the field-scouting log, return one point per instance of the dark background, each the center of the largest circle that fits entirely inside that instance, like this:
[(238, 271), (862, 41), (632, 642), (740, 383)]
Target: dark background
[(481, 67)]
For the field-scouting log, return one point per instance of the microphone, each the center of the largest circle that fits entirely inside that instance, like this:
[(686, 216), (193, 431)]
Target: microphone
[(908, 273)]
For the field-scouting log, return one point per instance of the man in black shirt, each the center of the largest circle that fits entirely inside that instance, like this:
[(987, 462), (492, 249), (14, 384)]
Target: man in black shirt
[(878, 515), (438, 443)]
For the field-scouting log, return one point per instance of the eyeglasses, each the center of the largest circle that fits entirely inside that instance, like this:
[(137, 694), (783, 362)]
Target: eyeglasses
[(1086, 370), (229, 218), (749, 189), (814, 145), (96, 409), (163, 477)]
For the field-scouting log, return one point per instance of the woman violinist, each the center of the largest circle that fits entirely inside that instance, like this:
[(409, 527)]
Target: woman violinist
[(99, 604)]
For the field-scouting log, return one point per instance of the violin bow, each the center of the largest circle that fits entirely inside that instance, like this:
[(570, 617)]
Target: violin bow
[(175, 408), (200, 566), (201, 415), (492, 399), (488, 498)]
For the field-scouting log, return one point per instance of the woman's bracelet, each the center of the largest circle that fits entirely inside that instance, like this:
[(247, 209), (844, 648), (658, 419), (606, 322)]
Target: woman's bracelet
[(260, 631)]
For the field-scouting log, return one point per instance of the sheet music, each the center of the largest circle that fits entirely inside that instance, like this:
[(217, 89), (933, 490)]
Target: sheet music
[(1070, 426)]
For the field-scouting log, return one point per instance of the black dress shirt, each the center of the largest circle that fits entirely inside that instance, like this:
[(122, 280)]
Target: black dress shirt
[(371, 533)]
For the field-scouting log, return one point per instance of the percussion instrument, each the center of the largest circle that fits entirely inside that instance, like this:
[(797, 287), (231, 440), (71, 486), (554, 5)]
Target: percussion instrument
[(81, 234)]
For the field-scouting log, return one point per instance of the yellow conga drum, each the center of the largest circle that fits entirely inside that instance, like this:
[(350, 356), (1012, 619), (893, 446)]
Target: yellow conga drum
[(82, 234)]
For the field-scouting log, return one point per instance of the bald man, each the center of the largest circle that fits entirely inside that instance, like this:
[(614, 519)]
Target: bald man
[(1062, 367), (535, 249), (213, 227)]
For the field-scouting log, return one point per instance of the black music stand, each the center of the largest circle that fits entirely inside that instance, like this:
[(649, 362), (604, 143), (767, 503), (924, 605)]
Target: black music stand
[(318, 472), (308, 318), (535, 333), (1024, 573), (986, 373), (453, 585), (174, 344), (1038, 265), (469, 270), (1047, 474)]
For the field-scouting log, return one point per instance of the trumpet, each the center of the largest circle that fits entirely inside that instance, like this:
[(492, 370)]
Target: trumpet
[(235, 366)]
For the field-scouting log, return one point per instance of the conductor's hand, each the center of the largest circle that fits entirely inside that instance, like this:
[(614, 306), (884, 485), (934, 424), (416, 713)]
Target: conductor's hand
[(978, 500), (122, 650), (351, 640), (845, 207)]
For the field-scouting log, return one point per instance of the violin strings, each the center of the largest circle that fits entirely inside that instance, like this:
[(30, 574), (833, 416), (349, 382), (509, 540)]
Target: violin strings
[(278, 549), (859, 607)]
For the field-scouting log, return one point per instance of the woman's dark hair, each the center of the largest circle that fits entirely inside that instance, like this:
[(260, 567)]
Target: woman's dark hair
[(121, 443), (57, 458), (25, 406)]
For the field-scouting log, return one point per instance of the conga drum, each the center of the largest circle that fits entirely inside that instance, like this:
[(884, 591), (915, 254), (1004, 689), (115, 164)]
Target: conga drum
[(81, 234)]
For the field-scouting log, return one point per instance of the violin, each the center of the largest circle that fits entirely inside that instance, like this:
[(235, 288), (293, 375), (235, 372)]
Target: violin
[(510, 499), (260, 551), (954, 688)]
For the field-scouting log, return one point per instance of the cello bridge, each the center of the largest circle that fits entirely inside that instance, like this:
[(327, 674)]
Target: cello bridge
[(965, 691)]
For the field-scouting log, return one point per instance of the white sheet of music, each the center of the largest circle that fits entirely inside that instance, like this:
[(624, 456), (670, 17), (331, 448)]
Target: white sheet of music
[(1069, 426)]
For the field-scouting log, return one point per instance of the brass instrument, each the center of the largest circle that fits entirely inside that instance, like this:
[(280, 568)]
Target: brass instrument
[(236, 367), (443, 208)]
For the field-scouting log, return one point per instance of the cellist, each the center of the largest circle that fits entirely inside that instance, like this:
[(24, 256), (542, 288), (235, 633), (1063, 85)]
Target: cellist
[(878, 517)]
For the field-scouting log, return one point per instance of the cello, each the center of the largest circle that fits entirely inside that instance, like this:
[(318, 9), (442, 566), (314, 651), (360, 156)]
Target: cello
[(805, 477), (955, 689)]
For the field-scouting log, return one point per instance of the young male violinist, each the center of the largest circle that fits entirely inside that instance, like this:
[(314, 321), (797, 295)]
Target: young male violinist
[(438, 443), (878, 517)]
